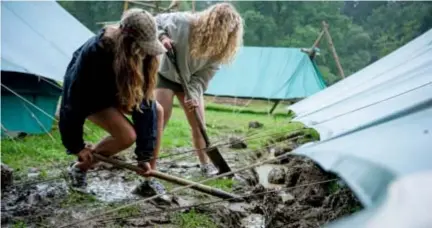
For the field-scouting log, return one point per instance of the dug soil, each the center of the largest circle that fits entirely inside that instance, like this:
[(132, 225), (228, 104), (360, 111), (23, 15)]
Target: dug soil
[(293, 192)]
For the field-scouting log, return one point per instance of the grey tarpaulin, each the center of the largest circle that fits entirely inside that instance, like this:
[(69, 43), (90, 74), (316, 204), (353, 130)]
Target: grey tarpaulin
[(376, 125), (39, 45), (409, 204), (386, 86)]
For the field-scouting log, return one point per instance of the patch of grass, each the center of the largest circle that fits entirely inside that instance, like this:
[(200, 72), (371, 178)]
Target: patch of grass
[(355, 209), (193, 219), (42, 152), (75, 198), (333, 187), (129, 211), (19, 224), (223, 184)]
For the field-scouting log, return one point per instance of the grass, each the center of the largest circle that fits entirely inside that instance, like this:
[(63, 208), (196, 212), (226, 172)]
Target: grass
[(193, 219), (42, 152), (76, 198)]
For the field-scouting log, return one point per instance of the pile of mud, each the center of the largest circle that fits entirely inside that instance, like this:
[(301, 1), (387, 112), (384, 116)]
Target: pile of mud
[(292, 192)]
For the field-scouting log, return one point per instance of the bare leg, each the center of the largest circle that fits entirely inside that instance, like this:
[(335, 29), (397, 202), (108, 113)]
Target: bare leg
[(197, 138), (165, 98), (122, 134)]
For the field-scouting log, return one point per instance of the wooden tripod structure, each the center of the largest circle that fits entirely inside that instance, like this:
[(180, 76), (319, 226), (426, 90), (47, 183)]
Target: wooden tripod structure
[(312, 52)]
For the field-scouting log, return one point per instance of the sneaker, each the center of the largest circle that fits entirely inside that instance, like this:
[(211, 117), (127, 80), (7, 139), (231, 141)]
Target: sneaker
[(78, 178), (209, 170), (149, 188)]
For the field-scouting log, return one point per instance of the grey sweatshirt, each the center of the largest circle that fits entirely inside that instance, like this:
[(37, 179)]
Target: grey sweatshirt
[(197, 72)]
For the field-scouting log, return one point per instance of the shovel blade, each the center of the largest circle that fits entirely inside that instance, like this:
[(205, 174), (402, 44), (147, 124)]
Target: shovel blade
[(217, 160)]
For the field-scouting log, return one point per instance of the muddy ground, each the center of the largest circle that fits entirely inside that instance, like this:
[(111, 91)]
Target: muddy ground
[(295, 198)]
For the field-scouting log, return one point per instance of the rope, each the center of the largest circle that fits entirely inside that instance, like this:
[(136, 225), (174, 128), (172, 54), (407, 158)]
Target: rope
[(177, 189), (221, 200), (228, 143), (99, 170), (38, 121), (39, 109)]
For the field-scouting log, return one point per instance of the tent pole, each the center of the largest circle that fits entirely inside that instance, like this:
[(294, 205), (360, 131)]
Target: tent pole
[(317, 41), (275, 104), (125, 5), (333, 49)]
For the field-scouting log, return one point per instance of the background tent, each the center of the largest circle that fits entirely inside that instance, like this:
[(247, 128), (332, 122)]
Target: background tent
[(375, 126), (35, 54), (268, 73)]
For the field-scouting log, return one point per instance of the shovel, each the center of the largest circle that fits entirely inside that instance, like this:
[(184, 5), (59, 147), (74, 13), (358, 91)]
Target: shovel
[(212, 152)]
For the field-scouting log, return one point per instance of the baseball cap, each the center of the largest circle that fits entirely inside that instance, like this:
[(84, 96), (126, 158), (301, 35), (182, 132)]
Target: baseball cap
[(141, 25)]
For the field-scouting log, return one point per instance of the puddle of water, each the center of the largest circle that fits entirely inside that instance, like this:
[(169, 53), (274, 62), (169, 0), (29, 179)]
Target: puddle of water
[(263, 172), (112, 189)]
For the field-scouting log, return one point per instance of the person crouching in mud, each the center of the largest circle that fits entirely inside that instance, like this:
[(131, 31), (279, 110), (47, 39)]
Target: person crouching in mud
[(110, 75), (202, 42)]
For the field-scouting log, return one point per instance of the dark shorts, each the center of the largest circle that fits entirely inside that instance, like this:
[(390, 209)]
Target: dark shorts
[(144, 124), (164, 83)]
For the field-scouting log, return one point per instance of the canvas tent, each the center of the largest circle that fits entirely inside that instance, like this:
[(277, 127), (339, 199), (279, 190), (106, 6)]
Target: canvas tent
[(268, 73), (375, 126), (35, 54)]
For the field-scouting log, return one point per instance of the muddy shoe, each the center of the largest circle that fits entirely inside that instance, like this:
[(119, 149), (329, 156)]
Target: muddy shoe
[(209, 170), (78, 178), (149, 188)]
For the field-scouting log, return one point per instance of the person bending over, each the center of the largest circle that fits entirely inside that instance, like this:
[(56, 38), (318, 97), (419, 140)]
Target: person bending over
[(111, 75), (202, 42)]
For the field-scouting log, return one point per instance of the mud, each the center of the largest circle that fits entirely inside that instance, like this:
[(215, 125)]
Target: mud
[(6, 176), (293, 202)]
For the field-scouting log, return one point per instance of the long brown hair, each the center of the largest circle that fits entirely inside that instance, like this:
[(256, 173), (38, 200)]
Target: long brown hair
[(135, 77)]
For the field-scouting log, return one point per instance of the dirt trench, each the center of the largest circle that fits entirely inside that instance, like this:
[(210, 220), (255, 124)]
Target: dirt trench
[(296, 199)]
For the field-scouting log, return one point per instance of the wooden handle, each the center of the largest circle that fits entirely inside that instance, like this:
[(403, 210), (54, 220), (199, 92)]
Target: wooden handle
[(173, 179), (172, 56)]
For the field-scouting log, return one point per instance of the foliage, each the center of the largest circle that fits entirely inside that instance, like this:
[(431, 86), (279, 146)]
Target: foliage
[(362, 31), (194, 219)]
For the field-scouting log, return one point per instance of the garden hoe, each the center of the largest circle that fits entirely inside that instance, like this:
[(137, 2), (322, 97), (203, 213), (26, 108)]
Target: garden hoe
[(213, 152)]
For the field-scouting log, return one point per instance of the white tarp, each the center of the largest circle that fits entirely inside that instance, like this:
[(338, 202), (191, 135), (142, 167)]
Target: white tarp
[(376, 125), (386, 86), (39, 37), (409, 204)]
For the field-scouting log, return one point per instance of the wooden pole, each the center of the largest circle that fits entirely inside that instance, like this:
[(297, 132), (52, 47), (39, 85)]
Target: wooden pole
[(274, 106), (316, 43), (156, 3), (199, 187), (125, 5), (333, 49)]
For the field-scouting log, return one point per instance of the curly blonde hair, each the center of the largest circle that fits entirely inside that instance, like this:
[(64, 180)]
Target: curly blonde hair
[(216, 33)]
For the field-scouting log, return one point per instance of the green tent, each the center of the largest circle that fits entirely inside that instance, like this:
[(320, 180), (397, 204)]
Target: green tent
[(268, 73), (17, 115), (35, 53)]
